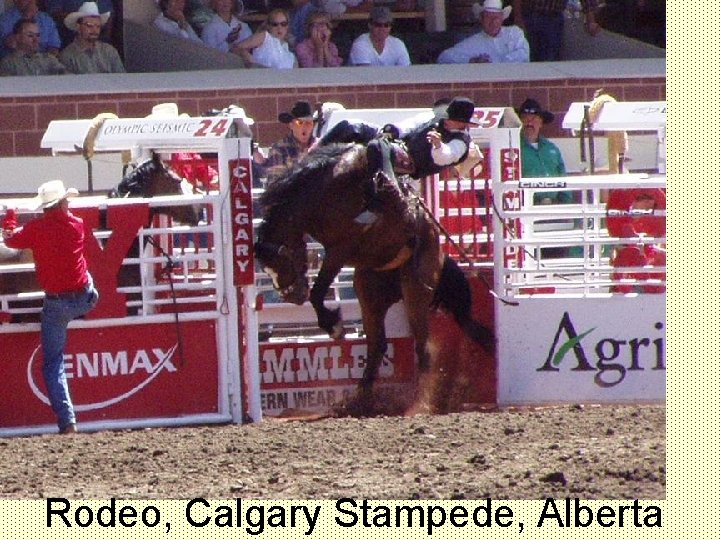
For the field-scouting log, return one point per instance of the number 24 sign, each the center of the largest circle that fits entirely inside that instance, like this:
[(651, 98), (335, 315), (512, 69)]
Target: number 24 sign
[(213, 128)]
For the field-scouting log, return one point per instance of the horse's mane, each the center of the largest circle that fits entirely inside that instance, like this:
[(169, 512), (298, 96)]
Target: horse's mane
[(134, 182), (304, 179)]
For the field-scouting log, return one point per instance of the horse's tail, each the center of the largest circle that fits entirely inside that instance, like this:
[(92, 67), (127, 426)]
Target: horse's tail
[(453, 295)]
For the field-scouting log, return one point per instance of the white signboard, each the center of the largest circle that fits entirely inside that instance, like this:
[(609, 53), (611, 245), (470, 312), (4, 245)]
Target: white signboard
[(620, 116), (124, 133), (577, 350)]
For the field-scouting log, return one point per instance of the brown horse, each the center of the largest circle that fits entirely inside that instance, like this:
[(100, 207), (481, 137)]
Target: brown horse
[(151, 178), (321, 197)]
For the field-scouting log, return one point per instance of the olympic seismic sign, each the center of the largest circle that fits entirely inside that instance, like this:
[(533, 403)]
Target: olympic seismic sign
[(114, 373), (314, 376), (601, 351)]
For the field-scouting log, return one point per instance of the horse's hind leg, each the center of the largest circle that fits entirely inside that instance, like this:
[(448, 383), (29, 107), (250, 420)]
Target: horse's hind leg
[(417, 297), (376, 292)]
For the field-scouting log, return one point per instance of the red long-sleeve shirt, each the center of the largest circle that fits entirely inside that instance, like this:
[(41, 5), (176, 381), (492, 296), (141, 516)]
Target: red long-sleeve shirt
[(57, 241)]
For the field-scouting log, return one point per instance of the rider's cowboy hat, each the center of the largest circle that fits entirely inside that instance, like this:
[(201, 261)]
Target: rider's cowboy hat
[(461, 109), (530, 106), (166, 110), (52, 192), (301, 109), (493, 6), (87, 9)]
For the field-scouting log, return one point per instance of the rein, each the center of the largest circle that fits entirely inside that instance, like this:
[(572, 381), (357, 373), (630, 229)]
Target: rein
[(167, 269), (459, 248)]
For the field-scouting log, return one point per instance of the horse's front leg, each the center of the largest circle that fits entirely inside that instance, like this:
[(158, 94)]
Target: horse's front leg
[(328, 319)]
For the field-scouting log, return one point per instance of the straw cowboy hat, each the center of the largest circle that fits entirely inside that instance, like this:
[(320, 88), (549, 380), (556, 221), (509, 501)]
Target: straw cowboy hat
[(166, 110), (493, 6), (88, 9), (52, 192)]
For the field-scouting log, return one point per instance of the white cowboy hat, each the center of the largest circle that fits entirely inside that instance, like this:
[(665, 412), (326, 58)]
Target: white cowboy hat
[(52, 192), (491, 6), (166, 110), (87, 9)]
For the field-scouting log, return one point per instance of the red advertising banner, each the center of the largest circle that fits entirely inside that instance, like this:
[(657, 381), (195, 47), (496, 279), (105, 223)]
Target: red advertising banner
[(131, 372), (314, 375), (241, 211)]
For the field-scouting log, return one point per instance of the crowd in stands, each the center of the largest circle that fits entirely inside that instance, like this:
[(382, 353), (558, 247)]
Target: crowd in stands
[(77, 34), (31, 42)]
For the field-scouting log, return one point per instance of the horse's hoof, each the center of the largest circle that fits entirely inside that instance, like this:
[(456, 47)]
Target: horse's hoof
[(338, 331)]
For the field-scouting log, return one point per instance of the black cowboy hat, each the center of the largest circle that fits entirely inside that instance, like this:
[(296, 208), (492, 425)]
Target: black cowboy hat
[(461, 109), (301, 109), (530, 106)]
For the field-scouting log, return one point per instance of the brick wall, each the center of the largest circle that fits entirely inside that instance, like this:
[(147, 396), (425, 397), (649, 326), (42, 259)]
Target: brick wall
[(24, 120)]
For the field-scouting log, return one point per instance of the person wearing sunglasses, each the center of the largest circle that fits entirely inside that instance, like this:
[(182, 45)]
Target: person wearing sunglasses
[(27, 58), (377, 47), (284, 153), (269, 47)]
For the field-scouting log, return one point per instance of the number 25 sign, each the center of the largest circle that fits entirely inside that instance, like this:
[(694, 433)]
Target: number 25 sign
[(488, 118)]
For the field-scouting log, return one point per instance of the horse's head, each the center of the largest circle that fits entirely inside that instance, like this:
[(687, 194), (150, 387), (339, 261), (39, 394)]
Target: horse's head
[(153, 178), (284, 258)]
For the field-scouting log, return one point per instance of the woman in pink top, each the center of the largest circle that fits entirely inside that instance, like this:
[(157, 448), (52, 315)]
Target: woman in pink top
[(317, 50)]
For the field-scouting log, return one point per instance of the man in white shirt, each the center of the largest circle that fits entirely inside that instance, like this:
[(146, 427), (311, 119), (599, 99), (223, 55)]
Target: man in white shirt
[(172, 20), (225, 30), (378, 47), (494, 43)]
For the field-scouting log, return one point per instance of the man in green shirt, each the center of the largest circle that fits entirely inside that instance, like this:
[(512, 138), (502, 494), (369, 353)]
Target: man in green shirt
[(87, 54), (27, 58), (541, 158), (538, 156)]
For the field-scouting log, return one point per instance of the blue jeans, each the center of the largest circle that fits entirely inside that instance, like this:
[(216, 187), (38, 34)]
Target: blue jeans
[(56, 314), (545, 36)]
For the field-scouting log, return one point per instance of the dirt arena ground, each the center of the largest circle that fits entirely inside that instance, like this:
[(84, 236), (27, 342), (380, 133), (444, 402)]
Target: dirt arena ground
[(591, 452)]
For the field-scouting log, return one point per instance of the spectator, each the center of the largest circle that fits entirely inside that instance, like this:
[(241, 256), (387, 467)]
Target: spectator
[(287, 151), (59, 9), (28, 9), (87, 54), (172, 20), (299, 14), (224, 31), (378, 47), (317, 50), (27, 58), (494, 43), (268, 47), (544, 22)]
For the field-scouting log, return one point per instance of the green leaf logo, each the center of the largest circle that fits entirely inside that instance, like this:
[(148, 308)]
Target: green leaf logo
[(562, 351)]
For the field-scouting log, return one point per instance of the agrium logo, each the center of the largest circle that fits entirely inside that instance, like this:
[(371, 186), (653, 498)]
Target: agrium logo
[(609, 358), (127, 371)]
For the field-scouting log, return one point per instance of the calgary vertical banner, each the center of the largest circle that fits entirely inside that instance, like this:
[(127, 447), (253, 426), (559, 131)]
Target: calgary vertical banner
[(241, 208)]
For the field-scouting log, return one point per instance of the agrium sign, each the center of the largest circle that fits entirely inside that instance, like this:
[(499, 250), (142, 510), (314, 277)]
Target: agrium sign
[(612, 350)]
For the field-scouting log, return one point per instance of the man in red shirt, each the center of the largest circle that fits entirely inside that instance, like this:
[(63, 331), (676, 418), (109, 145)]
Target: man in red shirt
[(57, 240)]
